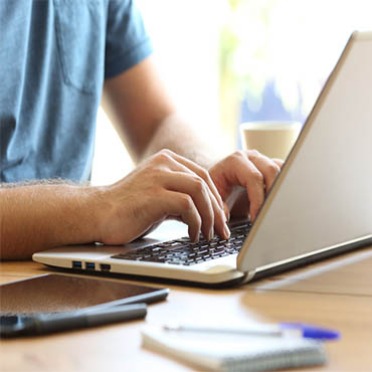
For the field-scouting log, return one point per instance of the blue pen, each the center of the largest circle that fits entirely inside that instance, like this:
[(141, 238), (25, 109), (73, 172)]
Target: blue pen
[(311, 331), (265, 330)]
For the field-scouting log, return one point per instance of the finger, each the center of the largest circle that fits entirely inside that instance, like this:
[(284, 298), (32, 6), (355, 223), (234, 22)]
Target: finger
[(268, 167), (194, 186), (178, 163), (218, 205), (201, 172), (178, 204), (246, 174), (220, 216), (210, 212), (278, 162)]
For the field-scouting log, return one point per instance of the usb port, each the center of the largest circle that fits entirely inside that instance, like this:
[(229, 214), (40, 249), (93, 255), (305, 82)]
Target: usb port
[(90, 265), (76, 265), (105, 267)]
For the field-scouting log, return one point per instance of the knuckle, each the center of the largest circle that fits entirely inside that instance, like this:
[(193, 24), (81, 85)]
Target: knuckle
[(164, 155), (204, 174), (166, 152), (258, 177), (254, 153), (199, 184), (237, 157), (239, 154), (273, 169), (186, 202)]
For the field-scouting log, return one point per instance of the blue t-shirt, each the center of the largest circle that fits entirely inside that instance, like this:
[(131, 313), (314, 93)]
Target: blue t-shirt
[(54, 57)]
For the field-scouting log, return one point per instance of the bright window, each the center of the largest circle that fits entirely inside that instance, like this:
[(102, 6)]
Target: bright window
[(226, 61)]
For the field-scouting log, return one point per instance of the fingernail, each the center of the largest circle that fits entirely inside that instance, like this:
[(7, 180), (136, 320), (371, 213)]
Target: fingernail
[(252, 216), (211, 234), (195, 238)]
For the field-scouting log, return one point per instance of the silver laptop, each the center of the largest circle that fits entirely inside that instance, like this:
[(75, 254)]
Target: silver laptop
[(320, 205)]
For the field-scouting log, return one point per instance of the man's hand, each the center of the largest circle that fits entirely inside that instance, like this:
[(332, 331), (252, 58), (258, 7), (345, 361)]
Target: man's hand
[(165, 186), (40, 216), (243, 179)]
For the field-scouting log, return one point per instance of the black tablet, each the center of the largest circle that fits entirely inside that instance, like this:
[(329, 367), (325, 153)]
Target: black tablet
[(60, 293)]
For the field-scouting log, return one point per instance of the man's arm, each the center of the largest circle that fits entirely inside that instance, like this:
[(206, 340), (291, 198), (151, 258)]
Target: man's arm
[(164, 185), (38, 216), (146, 118), (41, 216)]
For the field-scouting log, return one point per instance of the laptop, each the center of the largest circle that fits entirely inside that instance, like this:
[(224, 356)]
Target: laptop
[(319, 206)]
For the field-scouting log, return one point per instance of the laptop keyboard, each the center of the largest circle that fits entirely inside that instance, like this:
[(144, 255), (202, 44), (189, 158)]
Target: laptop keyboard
[(184, 252)]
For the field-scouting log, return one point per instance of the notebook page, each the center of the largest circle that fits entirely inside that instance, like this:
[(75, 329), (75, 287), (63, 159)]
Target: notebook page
[(234, 352)]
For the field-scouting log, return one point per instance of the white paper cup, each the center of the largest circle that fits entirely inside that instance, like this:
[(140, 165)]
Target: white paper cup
[(272, 138)]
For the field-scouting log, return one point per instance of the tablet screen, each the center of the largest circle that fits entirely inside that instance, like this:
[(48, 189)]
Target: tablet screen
[(57, 293)]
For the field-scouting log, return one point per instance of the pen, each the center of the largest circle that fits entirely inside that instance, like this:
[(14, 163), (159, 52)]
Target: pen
[(36, 324), (263, 330)]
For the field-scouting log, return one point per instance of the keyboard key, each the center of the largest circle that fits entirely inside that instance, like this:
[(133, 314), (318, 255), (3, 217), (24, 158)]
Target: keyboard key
[(183, 252)]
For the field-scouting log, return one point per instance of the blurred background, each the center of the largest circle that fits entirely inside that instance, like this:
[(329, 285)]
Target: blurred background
[(230, 61)]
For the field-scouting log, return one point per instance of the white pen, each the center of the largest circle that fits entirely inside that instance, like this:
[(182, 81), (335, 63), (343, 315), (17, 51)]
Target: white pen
[(262, 329)]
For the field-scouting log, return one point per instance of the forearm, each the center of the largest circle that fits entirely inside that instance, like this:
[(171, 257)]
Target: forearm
[(175, 134), (37, 217), (145, 117)]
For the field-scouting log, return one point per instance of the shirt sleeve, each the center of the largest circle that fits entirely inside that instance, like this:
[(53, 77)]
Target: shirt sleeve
[(127, 41)]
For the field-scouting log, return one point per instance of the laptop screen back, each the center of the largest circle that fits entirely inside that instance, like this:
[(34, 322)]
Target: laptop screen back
[(323, 197)]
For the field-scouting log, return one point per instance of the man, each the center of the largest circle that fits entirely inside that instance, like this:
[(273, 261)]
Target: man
[(56, 56)]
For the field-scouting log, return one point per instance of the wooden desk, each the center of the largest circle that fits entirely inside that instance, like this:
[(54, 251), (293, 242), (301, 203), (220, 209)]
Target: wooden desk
[(335, 294)]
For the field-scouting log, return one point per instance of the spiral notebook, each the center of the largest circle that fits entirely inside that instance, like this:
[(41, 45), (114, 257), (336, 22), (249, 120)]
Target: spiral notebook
[(229, 353)]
